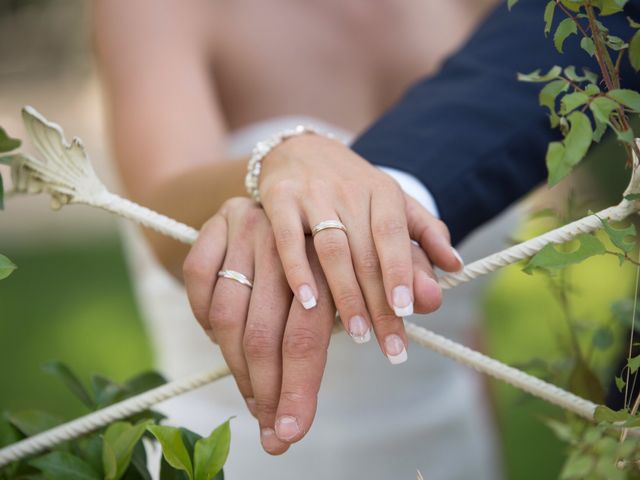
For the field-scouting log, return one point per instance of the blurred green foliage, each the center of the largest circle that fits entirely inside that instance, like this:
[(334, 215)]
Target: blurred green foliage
[(72, 304)]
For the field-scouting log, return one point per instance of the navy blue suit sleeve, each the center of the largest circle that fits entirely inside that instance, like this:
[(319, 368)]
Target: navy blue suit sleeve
[(472, 134)]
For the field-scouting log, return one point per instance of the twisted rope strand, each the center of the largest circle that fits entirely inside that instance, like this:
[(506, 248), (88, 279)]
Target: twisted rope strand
[(529, 248)]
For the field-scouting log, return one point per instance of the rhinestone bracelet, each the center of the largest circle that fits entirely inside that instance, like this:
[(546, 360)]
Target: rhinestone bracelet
[(264, 147)]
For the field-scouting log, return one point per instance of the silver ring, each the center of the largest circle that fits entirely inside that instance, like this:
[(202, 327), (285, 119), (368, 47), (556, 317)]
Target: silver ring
[(237, 276), (328, 224)]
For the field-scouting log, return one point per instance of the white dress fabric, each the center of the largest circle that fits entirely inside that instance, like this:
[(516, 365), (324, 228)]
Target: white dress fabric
[(375, 421)]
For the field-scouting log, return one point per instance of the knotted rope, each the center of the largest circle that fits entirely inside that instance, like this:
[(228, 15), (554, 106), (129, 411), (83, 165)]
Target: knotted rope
[(65, 173)]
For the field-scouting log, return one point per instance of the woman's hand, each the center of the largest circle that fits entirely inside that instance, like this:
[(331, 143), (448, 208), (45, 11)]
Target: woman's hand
[(310, 179), (275, 349)]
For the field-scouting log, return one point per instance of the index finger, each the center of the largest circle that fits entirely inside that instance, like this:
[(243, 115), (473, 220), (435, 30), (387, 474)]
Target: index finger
[(304, 350)]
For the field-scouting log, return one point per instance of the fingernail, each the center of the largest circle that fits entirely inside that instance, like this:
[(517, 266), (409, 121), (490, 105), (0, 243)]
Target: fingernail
[(402, 303), (251, 405), (268, 438), (457, 255), (359, 330), (306, 297), (395, 349), (287, 428)]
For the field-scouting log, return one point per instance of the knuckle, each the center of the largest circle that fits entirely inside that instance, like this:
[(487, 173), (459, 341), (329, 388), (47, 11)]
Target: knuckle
[(348, 300), (194, 269), (368, 263), (389, 227), (317, 188), (331, 245), (266, 406), (385, 318), (222, 318), (282, 190), (260, 343), (286, 237), (298, 396), (397, 270), (301, 343)]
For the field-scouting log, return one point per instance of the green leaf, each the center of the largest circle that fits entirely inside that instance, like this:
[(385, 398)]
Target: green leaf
[(105, 391), (620, 383), (571, 101), (615, 43), (70, 380), (64, 466), (118, 443), (561, 158), (632, 196), (605, 414), (31, 422), (1, 193), (626, 97), (588, 46), (634, 364), (6, 267), (7, 143), (565, 28), (549, 10), (211, 452), (547, 97), (634, 51), (139, 462), (143, 382), (511, 3), (633, 23), (601, 107), (173, 448), (89, 449), (618, 236), (603, 338), (550, 259), (577, 467), (553, 73), (561, 430), (599, 131)]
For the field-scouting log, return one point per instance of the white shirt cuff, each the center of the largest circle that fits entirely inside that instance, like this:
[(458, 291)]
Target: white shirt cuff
[(412, 186)]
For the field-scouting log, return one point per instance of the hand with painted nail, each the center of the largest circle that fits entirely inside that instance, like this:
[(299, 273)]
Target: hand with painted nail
[(362, 223), (276, 349)]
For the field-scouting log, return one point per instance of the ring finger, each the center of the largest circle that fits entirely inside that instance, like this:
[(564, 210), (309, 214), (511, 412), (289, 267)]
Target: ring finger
[(332, 247), (228, 313)]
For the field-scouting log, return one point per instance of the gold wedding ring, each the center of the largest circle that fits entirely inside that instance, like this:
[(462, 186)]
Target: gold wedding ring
[(237, 276), (328, 224)]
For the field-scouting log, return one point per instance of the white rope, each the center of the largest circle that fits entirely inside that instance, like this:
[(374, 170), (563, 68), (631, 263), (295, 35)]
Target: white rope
[(93, 421), (66, 174)]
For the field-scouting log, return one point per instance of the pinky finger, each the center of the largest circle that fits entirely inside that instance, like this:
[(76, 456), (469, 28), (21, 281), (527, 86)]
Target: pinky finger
[(290, 242), (433, 236)]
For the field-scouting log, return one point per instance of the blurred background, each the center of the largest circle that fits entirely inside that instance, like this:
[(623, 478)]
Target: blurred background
[(71, 297)]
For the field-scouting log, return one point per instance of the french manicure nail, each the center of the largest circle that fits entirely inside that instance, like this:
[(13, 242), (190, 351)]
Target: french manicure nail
[(306, 296), (402, 303), (395, 349), (457, 255), (359, 330), (287, 428)]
